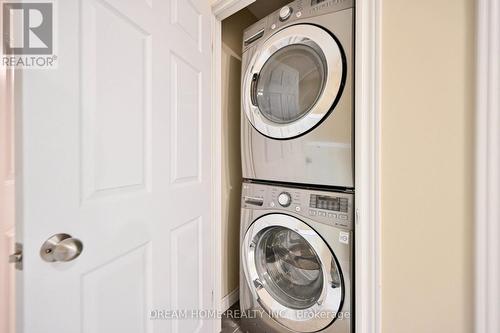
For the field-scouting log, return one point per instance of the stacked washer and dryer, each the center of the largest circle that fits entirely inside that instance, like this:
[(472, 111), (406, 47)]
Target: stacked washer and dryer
[(298, 164)]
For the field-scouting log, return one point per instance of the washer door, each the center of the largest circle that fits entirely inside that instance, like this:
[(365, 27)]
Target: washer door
[(292, 273), (293, 80)]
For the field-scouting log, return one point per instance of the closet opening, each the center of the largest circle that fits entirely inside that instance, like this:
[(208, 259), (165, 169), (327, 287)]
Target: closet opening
[(232, 29), (287, 158)]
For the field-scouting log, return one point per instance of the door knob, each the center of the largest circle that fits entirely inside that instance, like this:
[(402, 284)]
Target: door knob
[(61, 247)]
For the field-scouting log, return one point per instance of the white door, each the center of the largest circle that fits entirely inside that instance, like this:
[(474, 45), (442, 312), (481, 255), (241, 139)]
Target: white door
[(115, 151)]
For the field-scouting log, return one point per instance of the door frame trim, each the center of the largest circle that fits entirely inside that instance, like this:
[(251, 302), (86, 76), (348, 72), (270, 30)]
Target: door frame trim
[(487, 165), (367, 166), (218, 9)]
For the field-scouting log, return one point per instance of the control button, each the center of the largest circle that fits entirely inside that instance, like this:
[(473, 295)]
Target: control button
[(299, 14), (343, 217), (331, 215), (272, 204), (312, 212), (297, 208), (285, 13), (273, 26), (322, 214), (284, 199)]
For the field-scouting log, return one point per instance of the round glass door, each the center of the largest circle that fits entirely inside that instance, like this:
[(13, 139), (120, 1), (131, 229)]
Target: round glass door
[(290, 83), (292, 273), (293, 81), (289, 267)]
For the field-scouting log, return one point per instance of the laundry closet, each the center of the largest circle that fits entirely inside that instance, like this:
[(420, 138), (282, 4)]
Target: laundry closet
[(288, 163)]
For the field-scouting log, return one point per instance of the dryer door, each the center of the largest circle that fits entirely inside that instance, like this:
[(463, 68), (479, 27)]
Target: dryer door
[(293, 81), (292, 273)]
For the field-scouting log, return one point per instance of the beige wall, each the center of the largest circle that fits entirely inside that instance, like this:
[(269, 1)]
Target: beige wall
[(427, 131), (232, 32)]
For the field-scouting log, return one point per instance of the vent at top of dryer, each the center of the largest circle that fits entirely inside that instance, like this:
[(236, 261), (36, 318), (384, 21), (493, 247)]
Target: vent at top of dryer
[(253, 38)]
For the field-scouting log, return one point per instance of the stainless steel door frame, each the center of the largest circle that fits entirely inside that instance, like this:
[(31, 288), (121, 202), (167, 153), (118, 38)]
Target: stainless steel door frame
[(323, 312)]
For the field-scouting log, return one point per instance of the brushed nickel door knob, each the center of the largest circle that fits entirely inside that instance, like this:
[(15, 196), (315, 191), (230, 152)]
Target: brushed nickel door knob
[(61, 247)]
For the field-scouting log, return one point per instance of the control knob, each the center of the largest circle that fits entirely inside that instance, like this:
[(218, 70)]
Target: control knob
[(284, 199), (285, 13)]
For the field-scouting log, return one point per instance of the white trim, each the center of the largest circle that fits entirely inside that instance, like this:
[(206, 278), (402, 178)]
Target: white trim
[(487, 212), (224, 8), (230, 299), (217, 165), (230, 52), (367, 128), (220, 10), (367, 174)]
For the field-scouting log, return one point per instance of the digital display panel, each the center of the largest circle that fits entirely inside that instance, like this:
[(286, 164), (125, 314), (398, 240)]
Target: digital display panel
[(329, 203)]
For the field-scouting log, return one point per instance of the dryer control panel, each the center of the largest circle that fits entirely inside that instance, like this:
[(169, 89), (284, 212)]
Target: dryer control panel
[(328, 207), (292, 13)]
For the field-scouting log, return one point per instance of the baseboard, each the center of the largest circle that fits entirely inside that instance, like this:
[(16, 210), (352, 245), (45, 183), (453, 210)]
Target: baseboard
[(230, 299)]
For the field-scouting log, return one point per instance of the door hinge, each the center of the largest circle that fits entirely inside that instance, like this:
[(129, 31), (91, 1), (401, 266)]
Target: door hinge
[(17, 257)]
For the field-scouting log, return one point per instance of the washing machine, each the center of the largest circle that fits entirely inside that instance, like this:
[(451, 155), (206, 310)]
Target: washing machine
[(297, 95), (296, 259)]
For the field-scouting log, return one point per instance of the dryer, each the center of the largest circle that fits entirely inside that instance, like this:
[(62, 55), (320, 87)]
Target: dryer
[(297, 95), (296, 259)]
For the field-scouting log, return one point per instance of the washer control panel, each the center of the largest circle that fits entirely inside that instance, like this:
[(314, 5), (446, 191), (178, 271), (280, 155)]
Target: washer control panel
[(284, 199), (285, 13), (328, 207)]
